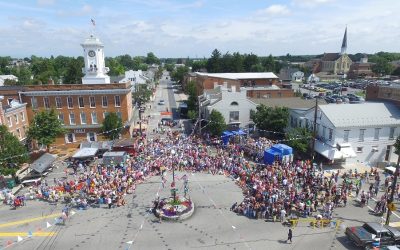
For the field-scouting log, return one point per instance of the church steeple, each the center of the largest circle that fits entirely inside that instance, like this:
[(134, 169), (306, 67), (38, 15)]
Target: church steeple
[(344, 43)]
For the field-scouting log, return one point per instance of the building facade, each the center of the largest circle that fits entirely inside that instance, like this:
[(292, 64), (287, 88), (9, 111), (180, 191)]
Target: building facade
[(232, 103), (383, 93), (15, 118), (353, 133)]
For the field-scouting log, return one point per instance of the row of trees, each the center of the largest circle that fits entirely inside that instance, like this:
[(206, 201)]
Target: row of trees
[(67, 70)]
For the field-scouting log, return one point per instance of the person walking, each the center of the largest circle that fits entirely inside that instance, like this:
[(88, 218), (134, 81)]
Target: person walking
[(290, 235)]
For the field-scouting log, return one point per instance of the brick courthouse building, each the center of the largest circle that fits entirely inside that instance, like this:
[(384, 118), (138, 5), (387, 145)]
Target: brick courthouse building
[(82, 107)]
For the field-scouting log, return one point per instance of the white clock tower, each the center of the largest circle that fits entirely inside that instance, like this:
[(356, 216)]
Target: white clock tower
[(95, 69)]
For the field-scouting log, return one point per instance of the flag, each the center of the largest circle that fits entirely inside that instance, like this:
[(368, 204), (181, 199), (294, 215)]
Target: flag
[(93, 22)]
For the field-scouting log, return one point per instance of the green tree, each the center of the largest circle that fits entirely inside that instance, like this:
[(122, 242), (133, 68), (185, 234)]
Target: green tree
[(179, 73), (126, 61), (45, 128), (152, 59), (192, 114), (169, 67), (191, 91), (249, 61), (116, 68), (269, 64), (142, 93), (299, 139), (73, 73), (112, 126), (271, 119), (214, 63), (24, 75), (12, 152), (198, 65), (382, 66), (216, 123)]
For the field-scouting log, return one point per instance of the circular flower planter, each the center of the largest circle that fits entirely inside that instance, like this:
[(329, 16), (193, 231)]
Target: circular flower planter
[(181, 209)]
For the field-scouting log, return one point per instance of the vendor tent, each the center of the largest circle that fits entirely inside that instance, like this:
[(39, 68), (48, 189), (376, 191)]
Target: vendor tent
[(278, 152), (114, 158), (225, 136), (85, 153), (43, 163)]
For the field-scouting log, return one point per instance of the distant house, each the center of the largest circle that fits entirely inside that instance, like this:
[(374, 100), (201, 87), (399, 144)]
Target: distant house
[(297, 76), (361, 69), (14, 117), (135, 78), (7, 77)]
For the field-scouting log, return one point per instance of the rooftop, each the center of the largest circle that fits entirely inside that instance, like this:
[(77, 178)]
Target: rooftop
[(236, 76), (291, 103), (362, 115)]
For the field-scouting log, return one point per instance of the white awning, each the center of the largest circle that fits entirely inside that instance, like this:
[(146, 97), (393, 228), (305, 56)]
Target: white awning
[(348, 152), (85, 153), (327, 151)]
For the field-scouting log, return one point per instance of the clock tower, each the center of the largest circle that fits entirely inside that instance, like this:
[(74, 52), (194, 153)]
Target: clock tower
[(95, 69)]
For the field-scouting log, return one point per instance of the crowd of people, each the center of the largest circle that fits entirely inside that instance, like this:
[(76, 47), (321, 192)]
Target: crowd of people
[(273, 192)]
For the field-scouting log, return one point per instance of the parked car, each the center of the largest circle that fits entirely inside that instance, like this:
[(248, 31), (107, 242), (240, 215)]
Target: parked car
[(161, 102), (369, 233)]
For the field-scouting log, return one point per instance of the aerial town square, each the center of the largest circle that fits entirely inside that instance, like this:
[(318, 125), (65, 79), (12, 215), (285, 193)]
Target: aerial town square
[(149, 124)]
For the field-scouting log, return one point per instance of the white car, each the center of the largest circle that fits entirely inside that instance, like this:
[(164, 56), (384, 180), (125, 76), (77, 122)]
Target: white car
[(161, 102)]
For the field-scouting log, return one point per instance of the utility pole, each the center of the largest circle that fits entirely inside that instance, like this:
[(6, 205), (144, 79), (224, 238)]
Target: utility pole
[(394, 183), (314, 137), (199, 122)]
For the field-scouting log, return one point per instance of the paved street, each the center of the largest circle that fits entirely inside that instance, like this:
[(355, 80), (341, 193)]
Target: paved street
[(213, 225)]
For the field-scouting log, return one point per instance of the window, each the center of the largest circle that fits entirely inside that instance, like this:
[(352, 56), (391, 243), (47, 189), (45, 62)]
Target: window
[(34, 103), (91, 136), (9, 121), (61, 118), (16, 118), (234, 116), (346, 136), (376, 134), (361, 135), (70, 138), (391, 133), (81, 102), (19, 133), (94, 118), (22, 116), (46, 102), (279, 94), (83, 118), (70, 102), (72, 119), (234, 104), (104, 101), (92, 102), (58, 102), (117, 100), (330, 134), (119, 114), (359, 149)]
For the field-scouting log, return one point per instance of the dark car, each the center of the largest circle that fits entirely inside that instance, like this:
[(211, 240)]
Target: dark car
[(369, 233)]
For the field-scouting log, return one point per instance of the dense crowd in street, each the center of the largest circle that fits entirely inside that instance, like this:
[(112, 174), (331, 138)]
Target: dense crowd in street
[(274, 192)]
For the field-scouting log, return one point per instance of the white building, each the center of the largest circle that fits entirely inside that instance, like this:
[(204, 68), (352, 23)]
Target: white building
[(297, 76), (353, 133), (95, 69), (231, 103), (135, 77), (9, 77)]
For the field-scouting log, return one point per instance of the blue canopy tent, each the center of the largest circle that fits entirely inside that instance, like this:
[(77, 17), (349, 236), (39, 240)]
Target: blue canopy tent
[(225, 136), (278, 152)]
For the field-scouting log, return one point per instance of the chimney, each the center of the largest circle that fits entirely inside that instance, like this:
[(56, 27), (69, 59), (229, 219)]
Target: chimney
[(50, 81), (225, 85)]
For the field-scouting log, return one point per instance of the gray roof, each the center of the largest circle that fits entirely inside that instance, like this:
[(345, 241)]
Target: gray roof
[(246, 75), (85, 153), (290, 102), (362, 115), (43, 163), (102, 145)]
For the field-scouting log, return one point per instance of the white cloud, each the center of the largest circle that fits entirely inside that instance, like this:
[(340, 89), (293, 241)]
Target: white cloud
[(45, 2), (86, 9), (275, 9), (310, 3)]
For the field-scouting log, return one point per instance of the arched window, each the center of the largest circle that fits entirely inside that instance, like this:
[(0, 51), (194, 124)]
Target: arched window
[(234, 104)]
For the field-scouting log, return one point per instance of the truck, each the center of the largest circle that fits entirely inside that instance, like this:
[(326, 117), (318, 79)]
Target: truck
[(373, 233)]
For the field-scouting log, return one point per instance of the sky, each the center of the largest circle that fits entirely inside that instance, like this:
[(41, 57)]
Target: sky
[(193, 28)]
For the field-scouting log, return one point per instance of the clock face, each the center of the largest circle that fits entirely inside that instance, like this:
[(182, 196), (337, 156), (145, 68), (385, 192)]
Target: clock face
[(91, 53)]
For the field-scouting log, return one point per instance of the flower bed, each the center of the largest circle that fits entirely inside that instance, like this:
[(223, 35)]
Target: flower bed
[(171, 208)]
